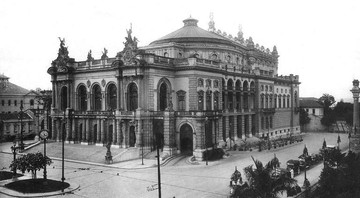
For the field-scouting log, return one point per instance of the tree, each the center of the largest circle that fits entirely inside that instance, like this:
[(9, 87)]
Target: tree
[(327, 101), (31, 162), (304, 117), (341, 181), (264, 182)]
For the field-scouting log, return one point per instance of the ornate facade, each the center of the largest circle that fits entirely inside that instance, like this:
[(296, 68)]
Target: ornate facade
[(192, 89)]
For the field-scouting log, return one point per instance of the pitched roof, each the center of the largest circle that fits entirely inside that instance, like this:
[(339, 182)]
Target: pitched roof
[(14, 116), (2, 76), (310, 104), (8, 88)]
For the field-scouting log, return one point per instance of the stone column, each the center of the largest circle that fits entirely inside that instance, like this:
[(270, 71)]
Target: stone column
[(54, 129), (169, 133), (87, 124), (100, 140), (355, 90), (243, 135), (235, 128), (74, 135), (114, 139), (125, 142), (250, 125)]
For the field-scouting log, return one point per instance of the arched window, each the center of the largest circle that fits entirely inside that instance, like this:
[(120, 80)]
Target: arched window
[(279, 101), (216, 100), (112, 96), (214, 56), (288, 101), (166, 54), (196, 55), (200, 82), (163, 96), (230, 94), (181, 100), (201, 100), (208, 100), (262, 101), (132, 97), (97, 97), (63, 98), (82, 99), (284, 101), (275, 101)]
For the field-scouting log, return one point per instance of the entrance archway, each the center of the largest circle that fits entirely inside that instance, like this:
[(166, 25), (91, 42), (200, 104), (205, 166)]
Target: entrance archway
[(186, 139)]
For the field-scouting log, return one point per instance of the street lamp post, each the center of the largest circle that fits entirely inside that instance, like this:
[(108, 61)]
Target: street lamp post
[(37, 113), (14, 148), (306, 181), (21, 127), (44, 135), (206, 151), (63, 150)]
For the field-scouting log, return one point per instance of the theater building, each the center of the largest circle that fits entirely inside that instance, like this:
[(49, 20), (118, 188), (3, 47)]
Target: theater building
[(192, 89)]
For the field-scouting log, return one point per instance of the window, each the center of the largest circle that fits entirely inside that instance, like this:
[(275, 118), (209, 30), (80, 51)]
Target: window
[(288, 102), (163, 96), (216, 83), (200, 82), (216, 100), (15, 102), (9, 102), (208, 83), (63, 98), (208, 100), (166, 54), (275, 101), (214, 57), (112, 96), (181, 100), (313, 111), (97, 97), (32, 102), (132, 97), (201, 100), (3, 103), (82, 98)]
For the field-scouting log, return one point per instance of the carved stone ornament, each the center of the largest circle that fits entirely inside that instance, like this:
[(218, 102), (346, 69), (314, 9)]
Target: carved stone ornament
[(103, 82), (88, 83)]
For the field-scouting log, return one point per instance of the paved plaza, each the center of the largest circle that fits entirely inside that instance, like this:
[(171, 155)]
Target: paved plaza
[(131, 179)]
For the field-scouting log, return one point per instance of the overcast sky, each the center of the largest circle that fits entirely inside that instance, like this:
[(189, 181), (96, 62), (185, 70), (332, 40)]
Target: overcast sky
[(317, 40)]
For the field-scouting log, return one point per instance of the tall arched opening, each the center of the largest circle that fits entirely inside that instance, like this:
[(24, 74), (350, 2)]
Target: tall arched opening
[(186, 139)]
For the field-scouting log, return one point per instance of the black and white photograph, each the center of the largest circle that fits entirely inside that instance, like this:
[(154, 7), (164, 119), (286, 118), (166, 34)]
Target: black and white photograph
[(180, 99)]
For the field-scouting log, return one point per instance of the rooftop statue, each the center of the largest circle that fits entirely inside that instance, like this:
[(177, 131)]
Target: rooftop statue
[(89, 56), (104, 55)]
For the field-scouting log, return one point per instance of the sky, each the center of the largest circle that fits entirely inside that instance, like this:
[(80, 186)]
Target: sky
[(317, 40)]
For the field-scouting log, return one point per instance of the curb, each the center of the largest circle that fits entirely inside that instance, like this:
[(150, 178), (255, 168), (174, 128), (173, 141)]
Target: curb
[(13, 193)]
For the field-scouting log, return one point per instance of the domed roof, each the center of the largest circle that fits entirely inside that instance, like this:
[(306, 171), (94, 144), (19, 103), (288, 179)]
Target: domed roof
[(191, 33)]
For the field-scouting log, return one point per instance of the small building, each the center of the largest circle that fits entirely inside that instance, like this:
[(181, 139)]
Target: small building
[(315, 111), (19, 105)]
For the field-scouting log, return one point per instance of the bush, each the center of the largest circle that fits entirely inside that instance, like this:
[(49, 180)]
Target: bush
[(214, 154)]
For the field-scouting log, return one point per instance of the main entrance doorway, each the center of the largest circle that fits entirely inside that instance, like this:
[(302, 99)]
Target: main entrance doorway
[(186, 139)]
